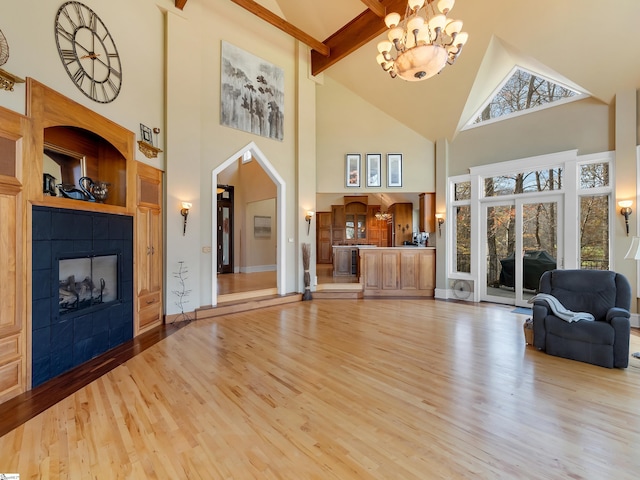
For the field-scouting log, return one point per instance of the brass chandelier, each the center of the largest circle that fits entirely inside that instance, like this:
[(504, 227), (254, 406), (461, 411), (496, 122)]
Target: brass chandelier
[(383, 216), (422, 43)]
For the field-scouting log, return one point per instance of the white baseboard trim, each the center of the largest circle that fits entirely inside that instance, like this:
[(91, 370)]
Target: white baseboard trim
[(444, 294), (259, 268), (447, 293), (440, 293)]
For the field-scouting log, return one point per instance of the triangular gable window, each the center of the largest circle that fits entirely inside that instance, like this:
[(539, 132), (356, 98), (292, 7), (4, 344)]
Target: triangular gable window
[(522, 91)]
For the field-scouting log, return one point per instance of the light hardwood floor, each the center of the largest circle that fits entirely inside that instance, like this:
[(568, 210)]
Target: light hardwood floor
[(229, 283), (233, 283), (342, 389)]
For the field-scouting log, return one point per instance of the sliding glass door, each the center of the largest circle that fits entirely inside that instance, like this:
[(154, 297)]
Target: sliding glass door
[(520, 243)]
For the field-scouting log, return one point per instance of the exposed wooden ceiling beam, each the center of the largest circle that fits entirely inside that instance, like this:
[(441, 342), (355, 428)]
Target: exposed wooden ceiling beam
[(376, 7), (180, 4), (276, 21), (362, 29)]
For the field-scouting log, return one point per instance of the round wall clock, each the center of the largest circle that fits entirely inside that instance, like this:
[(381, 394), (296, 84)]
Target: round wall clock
[(88, 52), (4, 49)]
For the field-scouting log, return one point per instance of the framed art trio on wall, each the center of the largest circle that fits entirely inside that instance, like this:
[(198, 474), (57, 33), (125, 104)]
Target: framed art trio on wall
[(373, 166)]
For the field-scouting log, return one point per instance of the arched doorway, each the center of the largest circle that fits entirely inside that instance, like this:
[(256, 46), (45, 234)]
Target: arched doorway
[(252, 152)]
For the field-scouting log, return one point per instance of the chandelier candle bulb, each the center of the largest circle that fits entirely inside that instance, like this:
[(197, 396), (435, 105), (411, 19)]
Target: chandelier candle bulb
[(422, 42), (445, 5), (453, 27), (392, 20)]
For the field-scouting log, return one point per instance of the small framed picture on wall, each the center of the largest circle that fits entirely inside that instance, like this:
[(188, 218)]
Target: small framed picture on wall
[(374, 163), (353, 169), (394, 169), (145, 134)]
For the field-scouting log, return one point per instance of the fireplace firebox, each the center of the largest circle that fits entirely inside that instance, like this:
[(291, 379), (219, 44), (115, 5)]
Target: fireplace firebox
[(87, 281)]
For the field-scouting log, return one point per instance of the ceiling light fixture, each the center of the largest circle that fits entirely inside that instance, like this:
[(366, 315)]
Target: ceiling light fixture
[(422, 43), (383, 216)]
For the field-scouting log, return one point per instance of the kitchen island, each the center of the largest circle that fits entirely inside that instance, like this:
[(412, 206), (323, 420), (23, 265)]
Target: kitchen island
[(398, 271), (346, 259)]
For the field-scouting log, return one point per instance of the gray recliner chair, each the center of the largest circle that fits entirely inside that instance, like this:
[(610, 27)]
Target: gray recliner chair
[(604, 294)]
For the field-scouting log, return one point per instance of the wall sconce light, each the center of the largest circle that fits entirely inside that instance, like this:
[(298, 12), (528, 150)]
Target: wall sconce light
[(308, 218), (440, 220), (625, 210), (185, 213)]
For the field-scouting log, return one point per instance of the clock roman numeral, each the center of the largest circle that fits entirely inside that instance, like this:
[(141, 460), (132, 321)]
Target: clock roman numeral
[(92, 89), (68, 56), (93, 21), (79, 76), (115, 72), (63, 32), (78, 8), (68, 17), (112, 85)]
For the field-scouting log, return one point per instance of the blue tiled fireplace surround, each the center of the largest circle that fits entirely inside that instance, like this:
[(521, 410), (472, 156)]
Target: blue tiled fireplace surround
[(61, 342)]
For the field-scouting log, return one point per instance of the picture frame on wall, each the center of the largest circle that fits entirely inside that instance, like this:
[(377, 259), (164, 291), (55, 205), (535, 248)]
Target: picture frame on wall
[(261, 226), (374, 167), (352, 169), (394, 169), (145, 134)]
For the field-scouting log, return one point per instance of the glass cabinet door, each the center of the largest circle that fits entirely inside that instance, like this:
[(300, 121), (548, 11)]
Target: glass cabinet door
[(350, 232), (356, 226), (362, 227)]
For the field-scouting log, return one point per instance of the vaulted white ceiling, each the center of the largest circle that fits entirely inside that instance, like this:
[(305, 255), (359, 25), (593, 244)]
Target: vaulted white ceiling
[(591, 44)]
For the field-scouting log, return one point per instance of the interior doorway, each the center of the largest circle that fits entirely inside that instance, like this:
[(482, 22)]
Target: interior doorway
[(251, 153), (225, 228)]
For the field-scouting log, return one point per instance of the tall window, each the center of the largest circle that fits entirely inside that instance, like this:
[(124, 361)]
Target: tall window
[(462, 226), (578, 236), (595, 198)]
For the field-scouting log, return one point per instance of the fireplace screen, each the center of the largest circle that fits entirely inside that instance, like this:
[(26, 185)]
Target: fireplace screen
[(87, 281)]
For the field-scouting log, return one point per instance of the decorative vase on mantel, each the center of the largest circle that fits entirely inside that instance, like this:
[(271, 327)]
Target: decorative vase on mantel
[(100, 190)]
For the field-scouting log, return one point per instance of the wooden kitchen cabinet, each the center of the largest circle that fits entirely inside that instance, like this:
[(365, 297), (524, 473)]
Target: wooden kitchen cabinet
[(402, 223), (345, 261), (324, 239), (148, 248), (338, 221), (398, 271), (376, 229), (427, 215)]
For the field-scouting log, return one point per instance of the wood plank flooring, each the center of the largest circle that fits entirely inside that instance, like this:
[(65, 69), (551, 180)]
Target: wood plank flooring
[(229, 283), (234, 283), (342, 389)]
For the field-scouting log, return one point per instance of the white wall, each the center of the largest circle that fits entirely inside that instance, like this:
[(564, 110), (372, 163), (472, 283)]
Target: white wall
[(139, 38), (260, 252), (348, 124), (171, 80), (197, 143), (586, 125)]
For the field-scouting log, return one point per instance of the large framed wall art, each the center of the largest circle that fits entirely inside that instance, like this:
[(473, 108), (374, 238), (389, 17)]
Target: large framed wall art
[(252, 95)]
